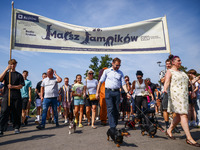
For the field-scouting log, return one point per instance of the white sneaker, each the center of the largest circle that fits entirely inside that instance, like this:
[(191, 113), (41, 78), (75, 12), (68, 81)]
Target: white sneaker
[(17, 131), (97, 118), (60, 113), (66, 121), (37, 121)]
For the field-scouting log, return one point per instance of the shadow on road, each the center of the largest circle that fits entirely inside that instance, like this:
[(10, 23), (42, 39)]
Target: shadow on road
[(34, 137)]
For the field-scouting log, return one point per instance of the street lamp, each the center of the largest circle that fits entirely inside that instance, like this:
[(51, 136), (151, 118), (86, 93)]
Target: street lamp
[(159, 62)]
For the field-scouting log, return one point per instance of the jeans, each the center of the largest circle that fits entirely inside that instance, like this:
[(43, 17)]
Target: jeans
[(46, 103), (112, 103), (198, 109)]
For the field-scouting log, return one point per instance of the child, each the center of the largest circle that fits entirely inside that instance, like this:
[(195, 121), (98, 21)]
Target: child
[(77, 92)]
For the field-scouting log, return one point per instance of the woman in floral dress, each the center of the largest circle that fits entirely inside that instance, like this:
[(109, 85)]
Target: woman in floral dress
[(178, 99)]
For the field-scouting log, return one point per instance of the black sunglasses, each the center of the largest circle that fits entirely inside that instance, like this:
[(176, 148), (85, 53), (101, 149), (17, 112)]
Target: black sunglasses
[(91, 73)]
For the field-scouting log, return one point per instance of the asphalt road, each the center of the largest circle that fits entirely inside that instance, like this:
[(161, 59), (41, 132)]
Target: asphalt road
[(87, 138)]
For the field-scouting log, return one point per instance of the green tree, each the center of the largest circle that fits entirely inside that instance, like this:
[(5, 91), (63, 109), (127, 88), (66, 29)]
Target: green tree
[(96, 65)]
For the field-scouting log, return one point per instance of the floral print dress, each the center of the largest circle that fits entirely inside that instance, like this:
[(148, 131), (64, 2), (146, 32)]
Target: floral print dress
[(178, 96)]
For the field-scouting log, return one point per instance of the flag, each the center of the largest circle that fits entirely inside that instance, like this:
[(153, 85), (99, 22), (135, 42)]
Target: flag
[(33, 32)]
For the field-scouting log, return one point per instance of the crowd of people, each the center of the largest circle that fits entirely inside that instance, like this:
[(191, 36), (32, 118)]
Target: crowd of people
[(110, 98)]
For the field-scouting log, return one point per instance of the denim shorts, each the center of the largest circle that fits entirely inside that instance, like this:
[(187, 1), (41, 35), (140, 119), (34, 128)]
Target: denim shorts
[(78, 102)]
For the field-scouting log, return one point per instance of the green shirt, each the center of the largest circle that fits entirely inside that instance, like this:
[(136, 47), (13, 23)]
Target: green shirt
[(78, 89)]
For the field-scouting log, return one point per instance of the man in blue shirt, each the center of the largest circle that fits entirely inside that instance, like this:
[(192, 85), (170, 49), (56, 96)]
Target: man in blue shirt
[(114, 80)]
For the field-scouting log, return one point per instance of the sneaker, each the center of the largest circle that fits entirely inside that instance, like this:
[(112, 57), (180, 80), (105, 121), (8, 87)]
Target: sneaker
[(97, 118), (40, 127), (1, 133), (75, 121), (80, 125), (190, 124), (28, 116), (37, 121), (194, 123), (23, 125), (66, 122), (17, 131), (26, 121), (60, 113)]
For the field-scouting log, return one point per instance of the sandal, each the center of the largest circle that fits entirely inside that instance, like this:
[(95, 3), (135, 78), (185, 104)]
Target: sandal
[(193, 144), (171, 137), (94, 127)]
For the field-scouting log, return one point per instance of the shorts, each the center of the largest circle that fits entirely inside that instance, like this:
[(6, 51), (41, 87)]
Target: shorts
[(165, 101), (66, 104), (24, 103), (90, 103), (38, 102), (158, 102), (78, 102)]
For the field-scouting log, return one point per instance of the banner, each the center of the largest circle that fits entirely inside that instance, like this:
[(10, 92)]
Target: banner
[(33, 32)]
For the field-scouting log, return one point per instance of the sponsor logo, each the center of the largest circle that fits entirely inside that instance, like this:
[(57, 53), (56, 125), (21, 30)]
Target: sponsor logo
[(26, 17)]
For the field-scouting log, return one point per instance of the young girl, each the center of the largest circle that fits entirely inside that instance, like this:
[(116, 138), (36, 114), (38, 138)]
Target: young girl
[(77, 92)]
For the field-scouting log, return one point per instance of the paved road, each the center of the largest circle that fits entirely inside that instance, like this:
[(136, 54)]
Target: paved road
[(87, 138)]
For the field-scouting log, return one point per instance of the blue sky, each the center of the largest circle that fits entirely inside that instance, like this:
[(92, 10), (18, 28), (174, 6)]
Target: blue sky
[(183, 18)]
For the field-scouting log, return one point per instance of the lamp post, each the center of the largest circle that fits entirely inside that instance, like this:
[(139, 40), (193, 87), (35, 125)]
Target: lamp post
[(159, 62)]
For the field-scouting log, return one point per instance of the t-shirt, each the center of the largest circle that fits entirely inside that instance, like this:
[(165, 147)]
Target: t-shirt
[(38, 87), (198, 91), (50, 87), (25, 89), (91, 86), (16, 79), (78, 89)]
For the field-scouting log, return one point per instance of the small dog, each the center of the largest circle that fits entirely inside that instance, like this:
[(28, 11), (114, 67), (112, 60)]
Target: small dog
[(72, 124), (72, 127), (150, 125), (117, 136)]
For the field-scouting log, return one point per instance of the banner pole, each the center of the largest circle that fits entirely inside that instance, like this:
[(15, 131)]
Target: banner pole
[(11, 45), (168, 35)]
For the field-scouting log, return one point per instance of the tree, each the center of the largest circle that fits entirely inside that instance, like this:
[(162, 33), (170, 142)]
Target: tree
[(96, 66)]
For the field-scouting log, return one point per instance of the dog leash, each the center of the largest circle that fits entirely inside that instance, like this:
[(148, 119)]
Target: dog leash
[(144, 114)]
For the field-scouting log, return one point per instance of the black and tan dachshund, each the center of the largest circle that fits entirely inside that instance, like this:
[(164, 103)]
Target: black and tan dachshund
[(117, 135)]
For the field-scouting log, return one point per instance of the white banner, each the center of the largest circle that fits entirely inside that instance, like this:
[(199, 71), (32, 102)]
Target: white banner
[(33, 32)]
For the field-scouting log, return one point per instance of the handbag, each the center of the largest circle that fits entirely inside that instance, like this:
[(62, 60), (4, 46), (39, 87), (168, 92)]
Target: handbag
[(193, 95), (91, 97)]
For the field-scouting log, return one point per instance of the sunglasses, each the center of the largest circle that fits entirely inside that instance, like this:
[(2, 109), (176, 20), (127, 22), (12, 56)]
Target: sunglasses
[(90, 73), (139, 77)]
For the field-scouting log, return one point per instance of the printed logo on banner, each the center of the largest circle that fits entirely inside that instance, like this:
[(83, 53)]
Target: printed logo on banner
[(108, 41), (26, 17)]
